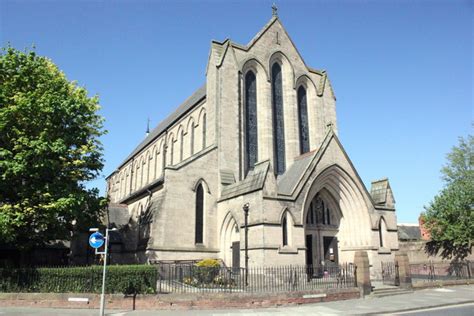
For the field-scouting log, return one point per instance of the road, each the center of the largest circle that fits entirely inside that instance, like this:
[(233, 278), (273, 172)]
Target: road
[(423, 302)]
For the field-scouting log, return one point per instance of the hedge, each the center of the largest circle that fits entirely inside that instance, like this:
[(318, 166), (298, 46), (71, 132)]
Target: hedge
[(125, 279)]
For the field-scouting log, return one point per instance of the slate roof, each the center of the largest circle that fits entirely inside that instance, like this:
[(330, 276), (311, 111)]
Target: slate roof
[(409, 232), (253, 182), (378, 191), (187, 105), (288, 181)]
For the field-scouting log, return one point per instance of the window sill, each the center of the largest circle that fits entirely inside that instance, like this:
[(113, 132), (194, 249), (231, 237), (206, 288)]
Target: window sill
[(287, 250)]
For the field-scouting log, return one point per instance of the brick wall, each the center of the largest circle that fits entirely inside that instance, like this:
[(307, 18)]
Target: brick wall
[(175, 301)]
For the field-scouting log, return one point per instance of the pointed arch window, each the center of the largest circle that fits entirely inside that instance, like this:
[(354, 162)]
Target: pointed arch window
[(278, 120), (303, 120), (251, 133), (284, 227), (382, 227), (199, 214)]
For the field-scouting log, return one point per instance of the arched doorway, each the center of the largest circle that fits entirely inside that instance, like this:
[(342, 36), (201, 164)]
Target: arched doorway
[(230, 242), (321, 225)]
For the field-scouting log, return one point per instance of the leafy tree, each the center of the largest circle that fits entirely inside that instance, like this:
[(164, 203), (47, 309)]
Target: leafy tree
[(49, 147), (450, 218)]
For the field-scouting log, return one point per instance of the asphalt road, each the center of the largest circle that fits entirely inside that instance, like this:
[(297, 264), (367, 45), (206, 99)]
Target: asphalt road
[(456, 310)]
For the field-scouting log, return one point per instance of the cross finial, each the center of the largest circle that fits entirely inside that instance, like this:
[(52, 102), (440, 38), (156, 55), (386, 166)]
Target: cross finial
[(274, 10)]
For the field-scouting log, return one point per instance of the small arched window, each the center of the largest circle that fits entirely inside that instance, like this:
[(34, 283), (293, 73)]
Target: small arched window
[(382, 227), (251, 133), (278, 120), (199, 214), (284, 227), (303, 120)]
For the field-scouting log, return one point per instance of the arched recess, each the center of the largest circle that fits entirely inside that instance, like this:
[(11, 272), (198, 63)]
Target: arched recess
[(287, 221), (315, 115), (160, 161), (263, 110), (170, 150), (350, 224), (382, 232), (146, 168), (230, 241), (178, 148), (200, 131), (188, 145), (152, 163), (288, 127)]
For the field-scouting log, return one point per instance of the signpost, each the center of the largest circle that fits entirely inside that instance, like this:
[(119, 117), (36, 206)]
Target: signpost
[(97, 240)]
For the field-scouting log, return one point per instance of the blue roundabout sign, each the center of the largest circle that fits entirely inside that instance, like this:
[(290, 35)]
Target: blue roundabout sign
[(96, 240)]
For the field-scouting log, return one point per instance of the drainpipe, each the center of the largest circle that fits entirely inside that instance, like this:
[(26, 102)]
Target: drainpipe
[(246, 211)]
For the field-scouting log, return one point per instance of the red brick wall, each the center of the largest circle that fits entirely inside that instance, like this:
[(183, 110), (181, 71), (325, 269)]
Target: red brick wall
[(177, 301)]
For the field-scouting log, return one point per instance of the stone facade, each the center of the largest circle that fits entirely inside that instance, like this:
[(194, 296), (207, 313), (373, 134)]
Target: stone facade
[(179, 195)]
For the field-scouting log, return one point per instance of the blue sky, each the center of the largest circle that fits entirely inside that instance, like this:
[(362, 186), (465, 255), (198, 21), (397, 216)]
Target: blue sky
[(402, 71)]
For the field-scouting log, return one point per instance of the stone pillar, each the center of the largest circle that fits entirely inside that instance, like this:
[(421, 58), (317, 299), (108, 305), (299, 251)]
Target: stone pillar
[(404, 270), (361, 260)]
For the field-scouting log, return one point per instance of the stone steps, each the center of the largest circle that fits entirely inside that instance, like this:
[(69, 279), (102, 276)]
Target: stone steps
[(382, 292)]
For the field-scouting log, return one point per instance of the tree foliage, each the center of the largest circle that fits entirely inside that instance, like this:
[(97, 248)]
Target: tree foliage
[(450, 218), (49, 147)]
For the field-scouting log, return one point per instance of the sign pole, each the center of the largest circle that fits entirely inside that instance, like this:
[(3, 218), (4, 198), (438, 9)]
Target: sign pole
[(102, 296), (96, 240)]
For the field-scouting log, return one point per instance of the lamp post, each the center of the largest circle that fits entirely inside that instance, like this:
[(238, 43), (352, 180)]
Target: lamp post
[(104, 253), (246, 213)]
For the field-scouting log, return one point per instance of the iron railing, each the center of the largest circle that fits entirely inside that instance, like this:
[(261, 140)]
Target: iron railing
[(440, 271), (178, 278)]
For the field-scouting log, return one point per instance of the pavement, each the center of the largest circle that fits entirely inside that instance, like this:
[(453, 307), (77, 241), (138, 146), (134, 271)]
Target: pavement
[(418, 300)]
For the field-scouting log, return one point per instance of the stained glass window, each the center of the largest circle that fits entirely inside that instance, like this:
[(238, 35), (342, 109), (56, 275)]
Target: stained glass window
[(251, 135), (285, 230), (303, 120), (278, 119), (199, 214)]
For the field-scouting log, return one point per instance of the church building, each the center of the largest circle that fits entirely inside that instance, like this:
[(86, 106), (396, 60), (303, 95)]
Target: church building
[(261, 135)]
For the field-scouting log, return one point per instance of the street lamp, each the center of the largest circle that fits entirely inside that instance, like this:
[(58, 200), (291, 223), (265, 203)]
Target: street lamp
[(246, 213)]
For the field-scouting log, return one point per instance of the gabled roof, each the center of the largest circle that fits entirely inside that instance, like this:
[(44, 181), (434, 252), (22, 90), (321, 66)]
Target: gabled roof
[(187, 105), (288, 181), (253, 182), (409, 232), (379, 190)]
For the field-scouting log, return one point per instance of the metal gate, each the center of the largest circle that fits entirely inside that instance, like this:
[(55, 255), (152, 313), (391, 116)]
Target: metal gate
[(390, 274)]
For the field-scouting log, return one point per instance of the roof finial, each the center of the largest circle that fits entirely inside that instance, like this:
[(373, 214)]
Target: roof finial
[(274, 10), (147, 127)]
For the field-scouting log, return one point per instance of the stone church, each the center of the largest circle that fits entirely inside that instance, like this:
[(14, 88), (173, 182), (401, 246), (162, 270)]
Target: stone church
[(262, 133)]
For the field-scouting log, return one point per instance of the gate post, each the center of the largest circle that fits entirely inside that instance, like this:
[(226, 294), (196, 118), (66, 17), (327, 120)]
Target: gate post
[(404, 270), (361, 260)]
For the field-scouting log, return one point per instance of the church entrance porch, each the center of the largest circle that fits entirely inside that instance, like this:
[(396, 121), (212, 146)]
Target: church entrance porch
[(321, 230)]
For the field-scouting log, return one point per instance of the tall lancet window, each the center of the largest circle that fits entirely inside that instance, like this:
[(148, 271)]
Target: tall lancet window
[(278, 120), (251, 135), (303, 120), (199, 214)]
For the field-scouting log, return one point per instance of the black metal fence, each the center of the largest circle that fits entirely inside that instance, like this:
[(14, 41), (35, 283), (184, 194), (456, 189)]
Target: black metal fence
[(390, 273), (178, 278), (440, 271)]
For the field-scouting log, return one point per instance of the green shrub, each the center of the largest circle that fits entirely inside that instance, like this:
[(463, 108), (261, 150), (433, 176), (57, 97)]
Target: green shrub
[(206, 270), (126, 279)]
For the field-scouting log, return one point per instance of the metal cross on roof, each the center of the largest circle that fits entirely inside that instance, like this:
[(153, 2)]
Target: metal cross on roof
[(274, 10)]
